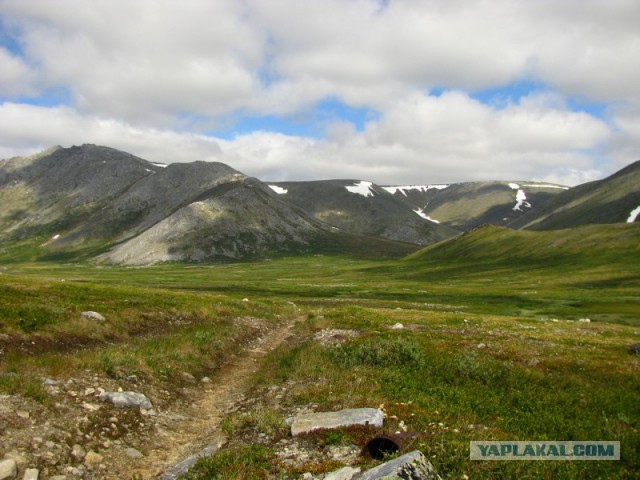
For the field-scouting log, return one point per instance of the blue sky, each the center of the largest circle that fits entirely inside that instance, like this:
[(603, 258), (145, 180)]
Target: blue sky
[(395, 92)]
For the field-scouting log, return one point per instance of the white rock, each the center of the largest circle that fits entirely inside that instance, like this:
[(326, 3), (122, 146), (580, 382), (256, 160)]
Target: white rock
[(397, 326), (8, 469), (93, 316), (21, 461), (342, 418), (346, 473), (133, 453), (127, 399), (413, 465), (31, 474)]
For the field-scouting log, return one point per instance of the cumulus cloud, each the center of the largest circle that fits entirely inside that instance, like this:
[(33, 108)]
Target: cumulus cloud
[(151, 76), (25, 129), (16, 76)]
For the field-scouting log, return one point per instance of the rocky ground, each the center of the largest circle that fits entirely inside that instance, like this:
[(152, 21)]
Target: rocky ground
[(83, 435)]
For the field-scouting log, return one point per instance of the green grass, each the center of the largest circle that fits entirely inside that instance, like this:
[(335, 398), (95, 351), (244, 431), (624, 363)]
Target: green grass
[(493, 348)]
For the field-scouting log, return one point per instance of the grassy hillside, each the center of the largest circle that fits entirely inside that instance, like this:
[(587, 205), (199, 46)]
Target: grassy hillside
[(606, 201), (592, 244)]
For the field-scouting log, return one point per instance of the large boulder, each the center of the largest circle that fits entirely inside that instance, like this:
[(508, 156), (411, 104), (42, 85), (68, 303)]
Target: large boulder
[(331, 420)]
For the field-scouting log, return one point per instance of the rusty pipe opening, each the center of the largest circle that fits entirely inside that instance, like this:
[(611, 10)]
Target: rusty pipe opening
[(379, 447)]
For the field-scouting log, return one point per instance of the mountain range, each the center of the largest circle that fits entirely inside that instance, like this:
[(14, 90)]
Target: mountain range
[(97, 202)]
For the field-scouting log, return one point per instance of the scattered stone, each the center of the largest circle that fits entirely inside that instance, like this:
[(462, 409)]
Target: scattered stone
[(23, 414), (127, 399), (635, 349), (397, 326), (342, 418), (4, 337), (345, 454), (245, 299), (8, 469), (205, 380), (78, 452), (482, 345), (335, 336), (91, 407), (307, 476), (93, 458), (89, 391), (585, 320), (133, 453), (93, 316), (413, 465), (49, 381), (21, 461), (58, 477), (187, 377), (31, 474), (346, 473)]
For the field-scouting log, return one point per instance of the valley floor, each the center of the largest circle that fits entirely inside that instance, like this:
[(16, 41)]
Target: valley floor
[(478, 352)]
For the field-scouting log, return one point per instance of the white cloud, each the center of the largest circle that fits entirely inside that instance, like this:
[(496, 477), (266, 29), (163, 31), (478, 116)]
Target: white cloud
[(16, 77), (144, 58), (143, 75), (421, 139), (26, 129)]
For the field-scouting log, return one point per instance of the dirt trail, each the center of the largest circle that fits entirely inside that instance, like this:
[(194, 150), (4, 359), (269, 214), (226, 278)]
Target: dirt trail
[(180, 436)]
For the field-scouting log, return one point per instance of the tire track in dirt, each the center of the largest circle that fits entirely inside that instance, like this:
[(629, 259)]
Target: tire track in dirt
[(199, 425)]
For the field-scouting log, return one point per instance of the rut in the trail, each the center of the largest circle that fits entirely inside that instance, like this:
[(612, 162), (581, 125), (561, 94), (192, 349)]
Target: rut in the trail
[(200, 426)]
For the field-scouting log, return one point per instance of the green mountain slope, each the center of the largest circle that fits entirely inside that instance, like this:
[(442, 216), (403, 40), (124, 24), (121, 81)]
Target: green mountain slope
[(602, 202), (588, 245)]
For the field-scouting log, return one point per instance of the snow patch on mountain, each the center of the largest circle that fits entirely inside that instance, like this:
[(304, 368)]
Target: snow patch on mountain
[(420, 212), (544, 185), (161, 165), (521, 198), (633, 215), (421, 188), (278, 190), (362, 188)]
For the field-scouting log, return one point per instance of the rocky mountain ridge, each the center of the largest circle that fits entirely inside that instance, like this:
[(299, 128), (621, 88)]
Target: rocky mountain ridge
[(131, 211)]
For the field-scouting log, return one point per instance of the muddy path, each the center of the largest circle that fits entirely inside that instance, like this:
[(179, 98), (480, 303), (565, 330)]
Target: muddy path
[(180, 434)]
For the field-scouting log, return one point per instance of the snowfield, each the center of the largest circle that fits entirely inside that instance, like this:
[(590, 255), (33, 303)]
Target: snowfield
[(362, 188), (521, 198), (420, 212), (420, 188), (278, 190), (633, 215)]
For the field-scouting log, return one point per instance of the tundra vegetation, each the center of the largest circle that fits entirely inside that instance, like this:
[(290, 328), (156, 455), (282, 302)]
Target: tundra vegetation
[(495, 344)]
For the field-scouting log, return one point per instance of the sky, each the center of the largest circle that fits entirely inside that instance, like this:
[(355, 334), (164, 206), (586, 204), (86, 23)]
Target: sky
[(395, 92)]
